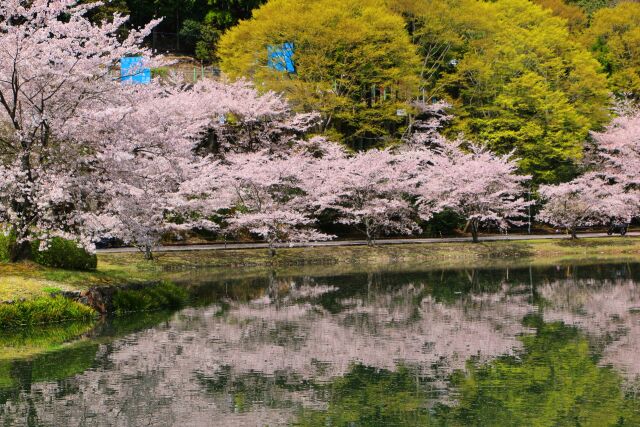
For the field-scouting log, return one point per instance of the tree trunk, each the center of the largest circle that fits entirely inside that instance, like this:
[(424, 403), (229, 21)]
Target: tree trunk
[(272, 250), (574, 234), (148, 253), (21, 251), (474, 230), (370, 241), (370, 237)]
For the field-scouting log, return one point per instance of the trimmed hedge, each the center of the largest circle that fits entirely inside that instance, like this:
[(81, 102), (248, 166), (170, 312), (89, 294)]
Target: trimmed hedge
[(63, 253), (165, 295), (43, 310)]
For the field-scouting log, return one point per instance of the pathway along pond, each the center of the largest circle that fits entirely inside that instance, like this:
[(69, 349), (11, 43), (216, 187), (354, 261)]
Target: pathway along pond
[(548, 346)]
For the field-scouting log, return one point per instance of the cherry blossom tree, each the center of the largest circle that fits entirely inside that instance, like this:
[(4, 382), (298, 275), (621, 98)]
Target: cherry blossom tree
[(618, 149), (268, 193), (52, 69), (152, 152), (369, 190), (424, 129), (475, 183), (610, 191), (271, 201), (587, 200)]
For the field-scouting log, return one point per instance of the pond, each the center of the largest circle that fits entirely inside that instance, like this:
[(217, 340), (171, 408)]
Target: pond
[(546, 346)]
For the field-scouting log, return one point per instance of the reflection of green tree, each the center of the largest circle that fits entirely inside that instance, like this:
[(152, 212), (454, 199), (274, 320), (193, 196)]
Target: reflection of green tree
[(44, 353), (371, 397), (57, 352), (556, 381)]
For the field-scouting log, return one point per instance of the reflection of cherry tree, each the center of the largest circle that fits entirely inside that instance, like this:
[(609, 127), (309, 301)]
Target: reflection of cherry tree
[(606, 310), (294, 341), (204, 358)]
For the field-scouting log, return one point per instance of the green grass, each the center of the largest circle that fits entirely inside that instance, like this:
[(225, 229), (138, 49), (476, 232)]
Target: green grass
[(43, 310)]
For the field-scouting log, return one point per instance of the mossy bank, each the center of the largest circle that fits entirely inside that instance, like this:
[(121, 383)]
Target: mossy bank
[(87, 306)]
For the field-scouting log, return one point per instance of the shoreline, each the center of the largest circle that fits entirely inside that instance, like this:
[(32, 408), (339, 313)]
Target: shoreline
[(130, 273)]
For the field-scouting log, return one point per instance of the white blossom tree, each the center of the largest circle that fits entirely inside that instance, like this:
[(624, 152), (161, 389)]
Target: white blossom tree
[(610, 190), (618, 150), (480, 186), (370, 191), (585, 201), (152, 154)]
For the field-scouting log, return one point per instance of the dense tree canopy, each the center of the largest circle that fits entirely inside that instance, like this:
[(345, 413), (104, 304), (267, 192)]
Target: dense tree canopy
[(188, 26), (614, 37)]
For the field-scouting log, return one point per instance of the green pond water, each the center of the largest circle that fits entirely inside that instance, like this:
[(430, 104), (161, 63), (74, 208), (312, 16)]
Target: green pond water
[(527, 346)]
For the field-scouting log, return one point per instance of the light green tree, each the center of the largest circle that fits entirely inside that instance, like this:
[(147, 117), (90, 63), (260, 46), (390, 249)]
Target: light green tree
[(515, 77), (556, 381), (354, 63), (614, 37)]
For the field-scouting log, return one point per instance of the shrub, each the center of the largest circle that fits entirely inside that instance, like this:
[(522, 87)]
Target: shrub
[(166, 295), (7, 240), (63, 253), (43, 310), (443, 223)]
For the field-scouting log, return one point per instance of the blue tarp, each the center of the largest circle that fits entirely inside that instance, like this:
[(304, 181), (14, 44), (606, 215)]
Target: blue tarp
[(133, 71), (280, 57)]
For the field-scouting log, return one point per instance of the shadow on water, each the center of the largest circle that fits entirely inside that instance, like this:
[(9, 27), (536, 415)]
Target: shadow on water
[(532, 345)]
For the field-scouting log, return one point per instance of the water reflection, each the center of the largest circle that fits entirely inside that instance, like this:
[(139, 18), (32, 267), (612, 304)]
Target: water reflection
[(529, 346)]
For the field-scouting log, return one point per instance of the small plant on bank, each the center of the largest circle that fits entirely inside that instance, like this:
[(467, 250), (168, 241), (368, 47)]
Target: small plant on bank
[(166, 295), (43, 310)]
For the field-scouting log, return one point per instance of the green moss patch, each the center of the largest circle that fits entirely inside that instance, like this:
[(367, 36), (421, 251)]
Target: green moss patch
[(43, 310)]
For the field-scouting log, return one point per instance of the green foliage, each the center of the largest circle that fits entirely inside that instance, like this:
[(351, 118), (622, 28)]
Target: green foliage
[(160, 72), (106, 11), (165, 295), (66, 254), (555, 381), (198, 23), (590, 6), (574, 14), (43, 310), (368, 396), (443, 223), (614, 37), (7, 240), (354, 63), (516, 77)]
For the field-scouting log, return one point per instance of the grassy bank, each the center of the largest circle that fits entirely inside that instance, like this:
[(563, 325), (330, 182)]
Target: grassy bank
[(31, 281)]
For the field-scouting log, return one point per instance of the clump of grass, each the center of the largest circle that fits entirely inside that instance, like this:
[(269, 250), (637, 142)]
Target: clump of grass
[(51, 290), (165, 295), (43, 310)]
